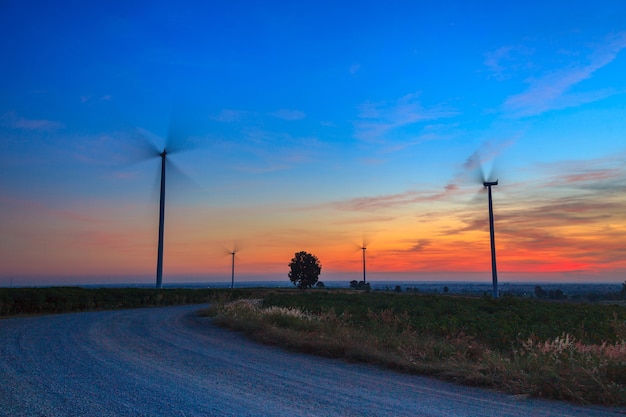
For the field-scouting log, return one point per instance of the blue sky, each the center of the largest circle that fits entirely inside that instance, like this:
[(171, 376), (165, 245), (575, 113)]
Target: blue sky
[(312, 125)]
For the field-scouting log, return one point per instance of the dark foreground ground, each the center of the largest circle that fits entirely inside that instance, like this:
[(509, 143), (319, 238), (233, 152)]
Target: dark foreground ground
[(168, 362)]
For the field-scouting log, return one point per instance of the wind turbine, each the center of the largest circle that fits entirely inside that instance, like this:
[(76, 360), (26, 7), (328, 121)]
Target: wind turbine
[(475, 163), (494, 269), (150, 151), (363, 248), (232, 253)]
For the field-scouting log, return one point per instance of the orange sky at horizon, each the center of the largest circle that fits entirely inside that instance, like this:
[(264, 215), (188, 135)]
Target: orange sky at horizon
[(430, 237)]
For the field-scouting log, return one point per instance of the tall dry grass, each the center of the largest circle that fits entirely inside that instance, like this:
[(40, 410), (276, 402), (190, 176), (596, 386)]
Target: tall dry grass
[(561, 367)]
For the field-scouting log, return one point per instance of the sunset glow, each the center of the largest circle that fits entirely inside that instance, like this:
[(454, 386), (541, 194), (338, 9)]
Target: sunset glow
[(313, 127)]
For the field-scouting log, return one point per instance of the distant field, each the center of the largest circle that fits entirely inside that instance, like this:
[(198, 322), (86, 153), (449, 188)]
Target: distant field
[(18, 301)]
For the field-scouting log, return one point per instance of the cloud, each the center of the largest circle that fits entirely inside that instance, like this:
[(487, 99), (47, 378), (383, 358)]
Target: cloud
[(486, 153), (378, 120), (552, 90), (419, 246), (364, 219), (373, 161), (390, 201), (90, 99), (595, 174), (11, 120), (262, 151), (505, 61), (286, 114), (229, 115), (570, 220)]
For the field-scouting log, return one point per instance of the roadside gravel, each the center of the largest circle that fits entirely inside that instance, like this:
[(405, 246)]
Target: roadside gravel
[(168, 362)]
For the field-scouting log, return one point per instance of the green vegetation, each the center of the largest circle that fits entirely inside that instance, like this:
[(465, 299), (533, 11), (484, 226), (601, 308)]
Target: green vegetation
[(364, 286), (15, 301), (574, 352)]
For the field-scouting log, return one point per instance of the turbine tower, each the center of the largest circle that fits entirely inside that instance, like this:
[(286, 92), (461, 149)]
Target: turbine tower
[(159, 270), (494, 270), (232, 279), (363, 248)]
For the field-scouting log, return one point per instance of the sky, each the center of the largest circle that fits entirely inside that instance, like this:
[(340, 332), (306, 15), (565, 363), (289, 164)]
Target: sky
[(313, 125)]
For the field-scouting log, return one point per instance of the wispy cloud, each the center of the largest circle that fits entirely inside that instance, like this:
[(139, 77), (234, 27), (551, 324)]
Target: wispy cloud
[(267, 151), (571, 220), (287, 114), (23, 207), (377, 120), (597, 173), (233, 115), (12, 120), (507, 60), (470, 170), (552, 91), (392, 201), (365, 219), (90, 99), (354, 68), (419, 245), (229, 115)]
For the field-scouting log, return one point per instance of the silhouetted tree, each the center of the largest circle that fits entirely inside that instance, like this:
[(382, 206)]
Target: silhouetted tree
[(623, 288), (304, 270), (540, 292), (446, 289), (398, 288), (354, 284), (320, 284)]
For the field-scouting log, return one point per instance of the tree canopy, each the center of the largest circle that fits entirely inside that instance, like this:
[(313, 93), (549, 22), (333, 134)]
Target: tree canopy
[(304, 270)]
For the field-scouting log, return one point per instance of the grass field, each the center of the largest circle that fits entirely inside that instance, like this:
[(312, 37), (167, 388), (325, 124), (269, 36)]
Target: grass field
[(573, 352)]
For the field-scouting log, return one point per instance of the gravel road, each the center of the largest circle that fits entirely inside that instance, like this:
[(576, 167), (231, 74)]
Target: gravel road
[(168, 362)]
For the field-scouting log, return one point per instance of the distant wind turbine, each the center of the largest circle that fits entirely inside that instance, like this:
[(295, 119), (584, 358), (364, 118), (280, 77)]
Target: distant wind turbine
[(363, 248), (232, 253)]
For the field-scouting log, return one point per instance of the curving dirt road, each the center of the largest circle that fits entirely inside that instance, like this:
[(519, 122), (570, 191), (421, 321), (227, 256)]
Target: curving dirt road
[(167, 362)]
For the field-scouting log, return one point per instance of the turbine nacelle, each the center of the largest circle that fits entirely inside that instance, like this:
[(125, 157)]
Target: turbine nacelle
[(490, 183)]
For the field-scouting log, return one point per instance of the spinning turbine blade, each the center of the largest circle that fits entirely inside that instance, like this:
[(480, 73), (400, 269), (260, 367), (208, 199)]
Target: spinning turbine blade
[(145, 150)]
